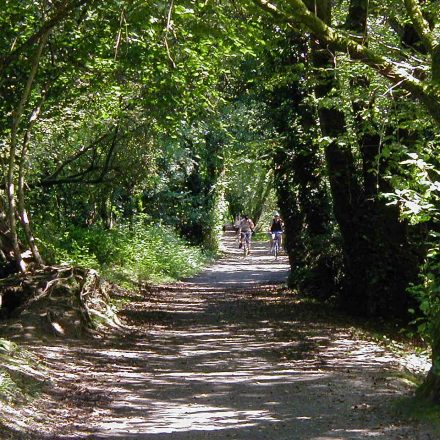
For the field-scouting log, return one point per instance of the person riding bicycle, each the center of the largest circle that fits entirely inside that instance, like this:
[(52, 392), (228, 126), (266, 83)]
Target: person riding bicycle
[(246, 228), (276, 229)]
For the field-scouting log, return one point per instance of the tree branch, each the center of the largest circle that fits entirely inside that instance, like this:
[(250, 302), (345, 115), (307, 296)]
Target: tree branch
[(76, 156), (25, 221), (112, 148), (79, 177), (58, 16), (428, 93), (118, 38), (420, 24), (167, 29)]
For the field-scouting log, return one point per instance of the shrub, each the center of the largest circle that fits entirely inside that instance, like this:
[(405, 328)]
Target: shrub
[(129, 253)]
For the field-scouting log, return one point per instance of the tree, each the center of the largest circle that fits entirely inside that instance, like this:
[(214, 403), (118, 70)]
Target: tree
[(427, 91), (113, 84), (360, 209)]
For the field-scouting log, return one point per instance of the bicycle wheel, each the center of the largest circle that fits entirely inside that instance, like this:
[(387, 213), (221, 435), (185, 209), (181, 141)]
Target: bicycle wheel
[(276, 248), (246, 245)]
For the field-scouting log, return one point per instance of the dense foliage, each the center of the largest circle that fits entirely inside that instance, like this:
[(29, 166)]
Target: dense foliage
[(189, 114), (129, 254)]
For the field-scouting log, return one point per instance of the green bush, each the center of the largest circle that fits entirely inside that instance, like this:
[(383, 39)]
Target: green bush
[(427, 291), (129, 253)]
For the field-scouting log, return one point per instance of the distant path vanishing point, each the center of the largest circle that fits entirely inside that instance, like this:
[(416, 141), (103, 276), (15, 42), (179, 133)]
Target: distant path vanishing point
[(236, 271)]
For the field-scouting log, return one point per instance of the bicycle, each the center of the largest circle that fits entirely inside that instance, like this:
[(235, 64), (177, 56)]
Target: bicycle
[(276, 244), (246, 242)]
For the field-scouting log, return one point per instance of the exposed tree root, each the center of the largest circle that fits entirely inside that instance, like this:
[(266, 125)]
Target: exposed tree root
[(58, 301)]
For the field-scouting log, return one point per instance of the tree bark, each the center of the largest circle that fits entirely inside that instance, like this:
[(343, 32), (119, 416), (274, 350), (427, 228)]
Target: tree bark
[(212, 189), (6, 245), (345, 186), (385, 242), (420, 24), (290, 212)]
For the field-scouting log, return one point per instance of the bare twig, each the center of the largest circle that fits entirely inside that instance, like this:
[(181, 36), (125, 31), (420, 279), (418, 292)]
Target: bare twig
[(167, 29), (118, 38)]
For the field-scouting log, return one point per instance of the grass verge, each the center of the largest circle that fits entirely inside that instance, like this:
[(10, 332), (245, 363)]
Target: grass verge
[(415, 409)]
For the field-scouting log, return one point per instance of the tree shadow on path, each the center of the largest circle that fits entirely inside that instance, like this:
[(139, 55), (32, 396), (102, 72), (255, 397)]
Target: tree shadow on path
[(206, 361)]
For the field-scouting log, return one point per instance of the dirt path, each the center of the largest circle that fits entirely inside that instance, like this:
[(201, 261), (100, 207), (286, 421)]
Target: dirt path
[(226, 355)]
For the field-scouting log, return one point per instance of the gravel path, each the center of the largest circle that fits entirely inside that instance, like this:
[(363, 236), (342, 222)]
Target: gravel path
[(225, 355)]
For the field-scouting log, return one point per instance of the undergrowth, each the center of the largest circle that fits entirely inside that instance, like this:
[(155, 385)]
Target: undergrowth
[(127, 254), (22, 380), (18, 374), (260, 236), (414, 408)]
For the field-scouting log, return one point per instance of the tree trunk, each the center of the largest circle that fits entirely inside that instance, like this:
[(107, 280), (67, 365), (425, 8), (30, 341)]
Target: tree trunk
[(302, 194), (8, 264), (213, 191), (290, 212), (344, 184), (430, 389), (378, 261), (390, 262), (25, 222), (16, 117)]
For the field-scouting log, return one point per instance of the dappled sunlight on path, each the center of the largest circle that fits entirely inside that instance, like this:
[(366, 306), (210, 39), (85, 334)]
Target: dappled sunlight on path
[(221, 357)]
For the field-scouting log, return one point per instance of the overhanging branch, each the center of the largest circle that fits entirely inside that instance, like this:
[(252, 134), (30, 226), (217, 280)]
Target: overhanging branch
[(420, 24), (428, 93), (63, 12)]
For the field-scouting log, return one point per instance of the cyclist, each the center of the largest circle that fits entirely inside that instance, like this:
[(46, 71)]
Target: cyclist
[(276, 229), (246, 228)]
